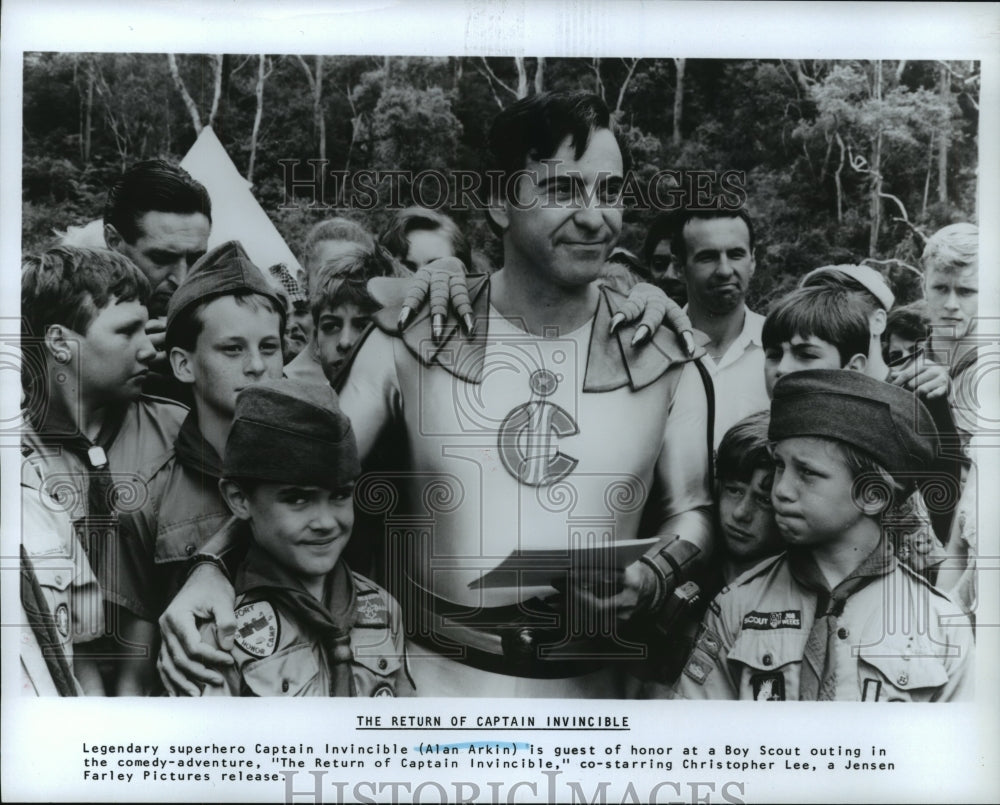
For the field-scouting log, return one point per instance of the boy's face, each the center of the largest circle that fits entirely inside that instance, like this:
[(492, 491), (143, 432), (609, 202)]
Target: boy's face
[(239, 344), (337, 331), (305, 528), (298, 328), (796, 355), (746, 517), (425, 245), (811, 493), (112, 359), (952, 299)]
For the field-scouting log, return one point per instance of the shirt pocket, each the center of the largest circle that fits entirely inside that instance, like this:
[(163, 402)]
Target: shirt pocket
[(290, 672), (375, 674), (767, 664), (55, 575), (887, 675)]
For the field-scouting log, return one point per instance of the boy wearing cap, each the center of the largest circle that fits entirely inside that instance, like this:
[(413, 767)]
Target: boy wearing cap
[(836, 616), (298, 318), (305, 624), (224, 332)]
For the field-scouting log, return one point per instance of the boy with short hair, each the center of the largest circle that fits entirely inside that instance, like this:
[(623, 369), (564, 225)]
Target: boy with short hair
[(224, 332), (744, 472), (814, 328), (836, 615), (305, 624)]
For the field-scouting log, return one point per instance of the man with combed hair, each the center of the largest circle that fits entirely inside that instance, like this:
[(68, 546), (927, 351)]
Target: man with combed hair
[(545, 433), (159, 217)]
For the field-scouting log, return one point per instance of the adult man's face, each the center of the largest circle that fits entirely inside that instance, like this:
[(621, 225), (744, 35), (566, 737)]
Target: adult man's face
[(952, 299), (563, 220), (169, 243), (718, 264)]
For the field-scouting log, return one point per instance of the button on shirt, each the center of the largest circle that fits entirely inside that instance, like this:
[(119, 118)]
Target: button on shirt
[(738, 376)]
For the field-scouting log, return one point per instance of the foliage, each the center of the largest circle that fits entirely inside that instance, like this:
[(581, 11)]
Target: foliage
[(842, 161)]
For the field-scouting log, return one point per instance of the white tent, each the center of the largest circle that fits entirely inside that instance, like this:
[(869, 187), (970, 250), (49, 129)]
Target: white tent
[(236, 215)]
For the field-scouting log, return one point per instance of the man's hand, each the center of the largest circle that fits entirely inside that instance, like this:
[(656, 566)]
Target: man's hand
[(156, 329), (207, 595), (443, 280), (653, 305), (924, 377), (633, 596)]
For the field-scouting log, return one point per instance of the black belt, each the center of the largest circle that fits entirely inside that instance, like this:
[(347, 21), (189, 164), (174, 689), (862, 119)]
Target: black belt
[(528, 639)]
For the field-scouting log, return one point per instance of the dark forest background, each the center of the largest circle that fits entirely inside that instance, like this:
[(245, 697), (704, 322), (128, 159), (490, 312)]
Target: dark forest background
[(844, 160)]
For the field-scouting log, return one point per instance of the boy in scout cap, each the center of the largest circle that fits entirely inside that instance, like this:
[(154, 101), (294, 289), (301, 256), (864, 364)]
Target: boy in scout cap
[(836, 616), (305, 624), (224, 332)]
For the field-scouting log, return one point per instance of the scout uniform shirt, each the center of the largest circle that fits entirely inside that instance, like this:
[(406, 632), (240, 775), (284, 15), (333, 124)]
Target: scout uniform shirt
[(182, 509), (70, 599), (97, 481), (883, 634), (290, 644)]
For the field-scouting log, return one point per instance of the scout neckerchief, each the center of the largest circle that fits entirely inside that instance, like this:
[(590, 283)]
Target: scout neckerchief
[(819, 673), (194, 453), (330, 621)]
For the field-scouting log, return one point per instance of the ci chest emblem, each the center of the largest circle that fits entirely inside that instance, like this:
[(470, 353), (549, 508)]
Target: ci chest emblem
[(528, 437)]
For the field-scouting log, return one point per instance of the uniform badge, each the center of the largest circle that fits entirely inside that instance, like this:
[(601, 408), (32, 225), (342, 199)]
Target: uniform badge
[(768, 687), (788, 619), (710, 643), (372, 611), (62, 620), (385, 689), (257, 629), (697, 669)]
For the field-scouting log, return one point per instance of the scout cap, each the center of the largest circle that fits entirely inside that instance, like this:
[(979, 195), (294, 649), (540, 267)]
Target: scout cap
[(222, 271), (866, 276), (885, 421), (289, 432)]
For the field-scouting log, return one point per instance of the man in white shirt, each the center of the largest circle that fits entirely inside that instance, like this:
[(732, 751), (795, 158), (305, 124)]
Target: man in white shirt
[(714, 249)]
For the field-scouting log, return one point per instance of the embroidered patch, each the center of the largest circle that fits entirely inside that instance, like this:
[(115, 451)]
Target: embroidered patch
[(697, 669), (62, 620), (768, 687), (710, 643), (789, 619), (714, 606), (871, 690), (385, 689), (257, 629), (372, 611)]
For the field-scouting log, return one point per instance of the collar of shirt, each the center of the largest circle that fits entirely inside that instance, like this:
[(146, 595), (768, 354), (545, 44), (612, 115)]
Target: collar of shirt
[(750, 335)]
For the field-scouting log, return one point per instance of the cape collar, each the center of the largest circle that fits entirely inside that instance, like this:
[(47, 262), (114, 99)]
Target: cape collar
[(612, 361)]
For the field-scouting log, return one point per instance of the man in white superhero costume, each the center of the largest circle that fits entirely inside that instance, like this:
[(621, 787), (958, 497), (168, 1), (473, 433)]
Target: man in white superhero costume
[(546, 431)]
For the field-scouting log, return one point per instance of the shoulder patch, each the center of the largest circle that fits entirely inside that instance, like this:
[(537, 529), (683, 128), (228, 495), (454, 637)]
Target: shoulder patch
[(257, 629), (697, 668), (710, 643), (371, 611)]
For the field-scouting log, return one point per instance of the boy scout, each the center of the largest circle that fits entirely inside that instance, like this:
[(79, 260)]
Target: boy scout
[(305, 624), (224, 332), (836, 616)]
